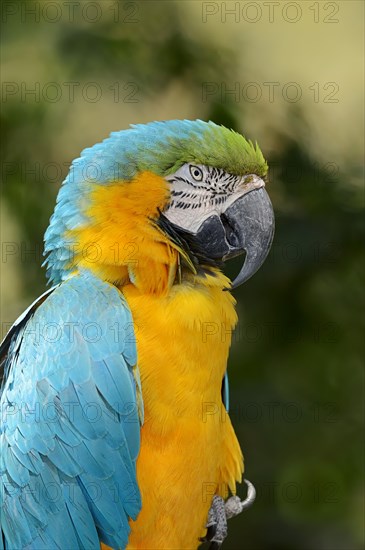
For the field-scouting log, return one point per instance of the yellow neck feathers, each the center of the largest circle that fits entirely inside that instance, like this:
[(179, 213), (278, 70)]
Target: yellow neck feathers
[(122, 243)]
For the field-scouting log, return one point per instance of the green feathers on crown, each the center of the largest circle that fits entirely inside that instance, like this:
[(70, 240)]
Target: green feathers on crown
[(165, 146)]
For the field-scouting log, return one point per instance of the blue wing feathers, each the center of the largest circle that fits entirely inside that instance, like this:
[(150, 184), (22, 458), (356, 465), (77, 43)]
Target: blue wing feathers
[(69, 429)]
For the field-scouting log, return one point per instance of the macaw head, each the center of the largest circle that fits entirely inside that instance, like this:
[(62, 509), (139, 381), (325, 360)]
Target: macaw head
[(188, 193)]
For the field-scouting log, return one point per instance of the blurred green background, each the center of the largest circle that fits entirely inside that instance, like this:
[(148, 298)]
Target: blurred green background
[(289, 75)]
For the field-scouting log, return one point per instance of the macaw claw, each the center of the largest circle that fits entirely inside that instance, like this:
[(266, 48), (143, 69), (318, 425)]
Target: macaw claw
[(220, 511), (216, 524)]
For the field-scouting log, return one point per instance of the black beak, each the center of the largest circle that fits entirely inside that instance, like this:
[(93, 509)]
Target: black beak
[(246, 226)]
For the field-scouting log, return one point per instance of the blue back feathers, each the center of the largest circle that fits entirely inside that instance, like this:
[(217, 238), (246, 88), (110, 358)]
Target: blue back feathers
[(70, 429)]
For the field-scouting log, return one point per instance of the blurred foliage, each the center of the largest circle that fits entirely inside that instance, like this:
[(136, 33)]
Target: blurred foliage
[(296, 363)]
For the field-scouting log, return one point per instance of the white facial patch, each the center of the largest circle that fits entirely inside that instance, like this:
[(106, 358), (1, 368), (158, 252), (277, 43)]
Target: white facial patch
[(198, 192)]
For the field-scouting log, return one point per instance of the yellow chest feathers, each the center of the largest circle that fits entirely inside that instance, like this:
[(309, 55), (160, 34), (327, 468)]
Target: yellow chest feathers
[(183, 341), (189, 451)]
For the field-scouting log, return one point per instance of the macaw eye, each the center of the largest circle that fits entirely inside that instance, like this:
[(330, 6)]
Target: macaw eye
[(196, 172)]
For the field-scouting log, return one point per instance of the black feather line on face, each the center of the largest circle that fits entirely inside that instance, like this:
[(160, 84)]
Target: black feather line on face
[(216, 180), (188, 242)]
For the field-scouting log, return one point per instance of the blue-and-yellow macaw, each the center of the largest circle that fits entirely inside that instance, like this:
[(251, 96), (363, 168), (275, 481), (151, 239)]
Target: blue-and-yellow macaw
[(114, 429)]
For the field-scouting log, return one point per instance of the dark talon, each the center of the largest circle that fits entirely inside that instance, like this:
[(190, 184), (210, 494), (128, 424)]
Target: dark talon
[(211, 530)]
